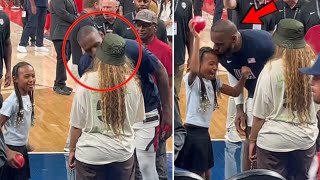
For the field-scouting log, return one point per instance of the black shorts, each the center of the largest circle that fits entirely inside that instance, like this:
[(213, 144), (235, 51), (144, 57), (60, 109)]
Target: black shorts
[(197, 153), (21, 173)]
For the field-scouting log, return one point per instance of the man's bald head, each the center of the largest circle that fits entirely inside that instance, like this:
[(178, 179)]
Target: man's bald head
[(224, 35), (89, 38), (110, 6), (225, 26)]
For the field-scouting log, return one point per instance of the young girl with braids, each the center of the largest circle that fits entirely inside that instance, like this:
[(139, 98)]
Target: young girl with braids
[(102, 123), (17, 117), (202, 87), (284, 129)]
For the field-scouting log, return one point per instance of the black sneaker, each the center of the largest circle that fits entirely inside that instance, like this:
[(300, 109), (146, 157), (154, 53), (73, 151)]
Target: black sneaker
[(61, 91), (67, 88)]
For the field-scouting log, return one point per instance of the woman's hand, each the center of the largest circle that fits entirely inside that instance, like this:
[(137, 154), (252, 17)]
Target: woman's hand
[(252, 151), (72, 159), (34, 9)]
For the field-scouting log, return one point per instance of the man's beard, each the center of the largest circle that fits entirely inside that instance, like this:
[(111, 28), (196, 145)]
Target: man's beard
[(227, 53)]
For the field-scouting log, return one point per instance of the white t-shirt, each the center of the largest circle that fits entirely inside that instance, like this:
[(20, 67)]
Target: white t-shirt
[(194, 116), (98, 145), (279, 134), (165, 16), (16, 136)]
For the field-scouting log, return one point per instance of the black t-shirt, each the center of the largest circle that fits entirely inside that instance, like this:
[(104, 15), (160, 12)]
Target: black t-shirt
[(257, 48), (127, 5), (285, 12), (310, 14), (182, 16), (75, 47), (243, 7), (102, 24), (124, 30), (4, 35)]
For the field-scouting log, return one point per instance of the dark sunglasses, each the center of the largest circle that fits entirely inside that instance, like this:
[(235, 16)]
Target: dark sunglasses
[(142, 24)]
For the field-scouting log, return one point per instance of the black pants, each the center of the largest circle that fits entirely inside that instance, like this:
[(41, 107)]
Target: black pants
[(117, 170), (37, 22), (61, 75), (197, 5), (24, 22), (291, 165)]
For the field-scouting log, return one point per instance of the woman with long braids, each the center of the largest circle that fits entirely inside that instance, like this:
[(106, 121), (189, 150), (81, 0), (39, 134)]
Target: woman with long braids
[(202, 87), (284, 129), (102, 134), (165, 14), (17, 117)]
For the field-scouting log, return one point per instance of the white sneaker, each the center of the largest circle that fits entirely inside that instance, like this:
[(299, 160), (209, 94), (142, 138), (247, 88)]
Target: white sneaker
[(42, 49), (22, 49)]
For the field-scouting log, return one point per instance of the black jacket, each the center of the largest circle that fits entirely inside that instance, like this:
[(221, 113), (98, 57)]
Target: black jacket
[(63, 14), (75, 47)]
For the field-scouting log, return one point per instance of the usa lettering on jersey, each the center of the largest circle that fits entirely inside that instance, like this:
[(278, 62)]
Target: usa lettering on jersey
[(238, 75)]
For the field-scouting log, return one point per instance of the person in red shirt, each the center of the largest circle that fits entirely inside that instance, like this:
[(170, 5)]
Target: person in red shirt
[(146, 24)]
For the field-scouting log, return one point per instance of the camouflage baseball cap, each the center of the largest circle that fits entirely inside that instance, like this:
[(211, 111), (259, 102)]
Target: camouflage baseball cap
[(112, 50), (147, 16), (289, 34)]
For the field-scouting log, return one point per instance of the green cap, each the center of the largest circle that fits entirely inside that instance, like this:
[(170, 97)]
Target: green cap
[(147, 16), (112, 50), (289, 34)]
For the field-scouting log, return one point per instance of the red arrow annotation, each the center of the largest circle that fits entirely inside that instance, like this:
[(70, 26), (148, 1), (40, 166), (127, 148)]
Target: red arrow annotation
[(253, 15)]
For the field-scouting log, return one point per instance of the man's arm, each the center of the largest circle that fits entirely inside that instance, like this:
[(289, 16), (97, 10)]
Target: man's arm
[(241, 116), (33, 7), (164, 91)]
